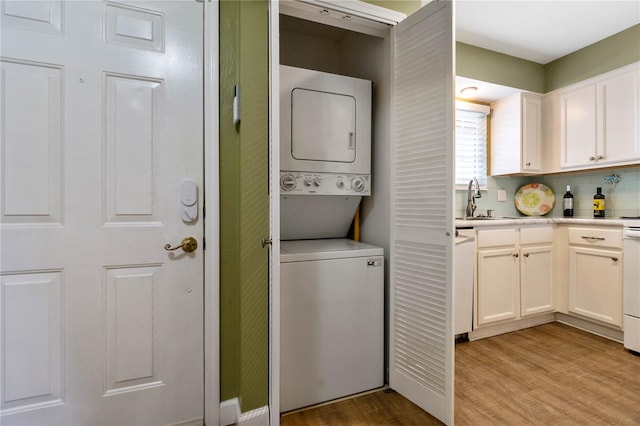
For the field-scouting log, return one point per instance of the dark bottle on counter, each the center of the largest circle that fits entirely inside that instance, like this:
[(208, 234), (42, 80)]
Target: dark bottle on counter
[(568, 203), (598, 203)]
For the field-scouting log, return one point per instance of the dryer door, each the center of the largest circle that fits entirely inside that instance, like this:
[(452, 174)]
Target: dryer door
[(323, 126)]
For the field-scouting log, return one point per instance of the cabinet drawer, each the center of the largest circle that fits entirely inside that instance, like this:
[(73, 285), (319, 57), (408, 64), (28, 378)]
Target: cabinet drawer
[(596, 237), (497, 237), (536, 235)]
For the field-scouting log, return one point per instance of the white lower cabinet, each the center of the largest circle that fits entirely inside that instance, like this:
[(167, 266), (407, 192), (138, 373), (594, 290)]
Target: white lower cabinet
[(536, 280), (514, 268), (595, 274), (498, 278)]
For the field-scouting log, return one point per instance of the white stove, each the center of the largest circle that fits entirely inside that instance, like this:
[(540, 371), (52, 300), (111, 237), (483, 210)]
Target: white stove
[(631, 278)]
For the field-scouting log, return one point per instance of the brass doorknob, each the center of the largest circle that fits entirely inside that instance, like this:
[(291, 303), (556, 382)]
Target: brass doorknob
[(188, 244)]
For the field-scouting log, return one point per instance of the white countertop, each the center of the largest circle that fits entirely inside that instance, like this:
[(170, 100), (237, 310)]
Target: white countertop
[(541, 220)]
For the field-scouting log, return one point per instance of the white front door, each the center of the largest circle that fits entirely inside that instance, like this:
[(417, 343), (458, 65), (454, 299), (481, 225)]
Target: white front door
[(101, 124)]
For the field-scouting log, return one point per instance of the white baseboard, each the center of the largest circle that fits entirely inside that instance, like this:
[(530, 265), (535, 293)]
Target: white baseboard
[(508, 327), (230, 414), (257, 417), (601, 330), (586, 325)]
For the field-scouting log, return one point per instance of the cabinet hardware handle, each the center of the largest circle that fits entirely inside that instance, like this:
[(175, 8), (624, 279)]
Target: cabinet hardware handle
[(615, 259), (515, 255), (593, 238), (528, 163), (526, 254), (265, 242)]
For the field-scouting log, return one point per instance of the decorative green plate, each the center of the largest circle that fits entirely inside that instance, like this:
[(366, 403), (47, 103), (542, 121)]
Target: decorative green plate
[(534, 199)]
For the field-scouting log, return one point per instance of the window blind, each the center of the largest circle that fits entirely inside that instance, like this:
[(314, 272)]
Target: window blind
[(471, 147)]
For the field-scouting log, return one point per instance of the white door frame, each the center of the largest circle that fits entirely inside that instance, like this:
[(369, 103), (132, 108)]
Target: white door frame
[(212, 224), (274, 212)]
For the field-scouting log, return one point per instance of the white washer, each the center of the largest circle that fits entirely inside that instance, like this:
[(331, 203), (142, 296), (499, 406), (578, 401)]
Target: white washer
[(331, 320)]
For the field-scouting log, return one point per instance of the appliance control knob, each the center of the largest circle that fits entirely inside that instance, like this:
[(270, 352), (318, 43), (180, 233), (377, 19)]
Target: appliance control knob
[(357, 184), (340, 184), (287, 182), (307, 181), (316, 181)]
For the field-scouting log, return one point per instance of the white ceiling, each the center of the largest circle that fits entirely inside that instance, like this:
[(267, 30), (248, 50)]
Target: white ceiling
[(537, 30), (541, 30)]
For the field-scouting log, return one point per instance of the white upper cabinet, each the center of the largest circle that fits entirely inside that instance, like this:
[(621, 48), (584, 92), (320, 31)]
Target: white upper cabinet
[(578, 127), (618, 113), (516, 127), (599, 121)]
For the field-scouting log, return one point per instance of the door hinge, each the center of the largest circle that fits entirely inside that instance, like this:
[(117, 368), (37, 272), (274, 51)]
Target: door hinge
[(204, 244)]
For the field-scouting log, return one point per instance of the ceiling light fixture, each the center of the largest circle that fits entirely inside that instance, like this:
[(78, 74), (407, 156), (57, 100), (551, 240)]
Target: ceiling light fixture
[(469, 91)]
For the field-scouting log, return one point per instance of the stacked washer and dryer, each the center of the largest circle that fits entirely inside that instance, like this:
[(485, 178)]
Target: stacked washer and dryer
[(332, 289)]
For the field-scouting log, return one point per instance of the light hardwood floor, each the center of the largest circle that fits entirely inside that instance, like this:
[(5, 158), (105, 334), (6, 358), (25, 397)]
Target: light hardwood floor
[(547, 375)]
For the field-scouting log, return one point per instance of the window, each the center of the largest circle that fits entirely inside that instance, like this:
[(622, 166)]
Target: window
[(471, 144)]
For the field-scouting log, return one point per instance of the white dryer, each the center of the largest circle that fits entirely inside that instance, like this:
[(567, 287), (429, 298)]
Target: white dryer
[(332, 320), (325, 151)]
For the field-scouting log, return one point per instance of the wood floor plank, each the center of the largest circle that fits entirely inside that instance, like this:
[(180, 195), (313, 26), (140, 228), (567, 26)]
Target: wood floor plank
[(552, 374), (384, 408)]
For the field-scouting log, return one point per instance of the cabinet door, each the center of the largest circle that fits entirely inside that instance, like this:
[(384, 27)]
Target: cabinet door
[(595, 284), (498, 282), (531, 132), (536, 280), (505, 136), (516, 128), (618, 112), (578, 127)]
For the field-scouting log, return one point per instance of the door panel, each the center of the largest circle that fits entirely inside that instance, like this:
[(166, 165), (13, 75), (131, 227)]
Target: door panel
[(101, 325), (421, 332), (31, 143)]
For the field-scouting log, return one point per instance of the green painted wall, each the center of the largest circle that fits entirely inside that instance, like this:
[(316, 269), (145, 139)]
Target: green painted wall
[(606, 55), (229, 251), (498, 68), (610, 53), (244, 211)]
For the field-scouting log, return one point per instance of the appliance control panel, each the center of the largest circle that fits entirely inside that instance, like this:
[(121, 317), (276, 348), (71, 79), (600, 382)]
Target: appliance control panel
[(310, 183)]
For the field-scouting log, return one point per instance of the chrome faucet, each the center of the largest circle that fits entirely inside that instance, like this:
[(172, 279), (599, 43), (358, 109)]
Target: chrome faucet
[(471, 197)]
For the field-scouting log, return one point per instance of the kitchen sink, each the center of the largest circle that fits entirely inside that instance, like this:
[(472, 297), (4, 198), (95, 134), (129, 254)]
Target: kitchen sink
[(478, 218)]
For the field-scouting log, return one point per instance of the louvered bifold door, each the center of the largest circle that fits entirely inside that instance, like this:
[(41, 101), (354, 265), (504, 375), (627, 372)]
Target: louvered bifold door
[(421, 352)]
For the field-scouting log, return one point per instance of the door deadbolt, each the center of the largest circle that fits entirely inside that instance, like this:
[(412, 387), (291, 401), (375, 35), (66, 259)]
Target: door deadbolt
[(188, 244)]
